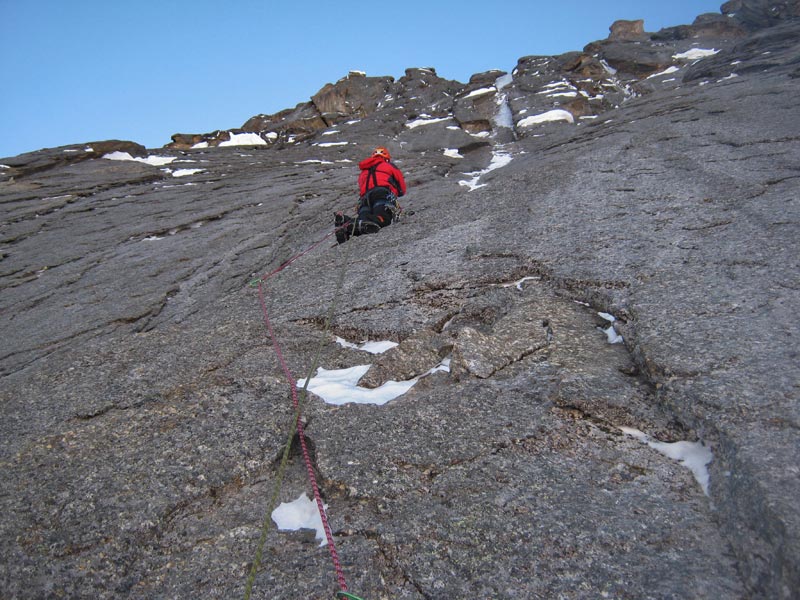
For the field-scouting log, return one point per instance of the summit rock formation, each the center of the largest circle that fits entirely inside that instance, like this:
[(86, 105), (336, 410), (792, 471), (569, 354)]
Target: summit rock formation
[(642, 191)]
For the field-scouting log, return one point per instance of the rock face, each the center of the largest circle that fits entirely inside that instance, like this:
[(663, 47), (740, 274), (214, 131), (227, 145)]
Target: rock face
[(144, 409), (759, 14)]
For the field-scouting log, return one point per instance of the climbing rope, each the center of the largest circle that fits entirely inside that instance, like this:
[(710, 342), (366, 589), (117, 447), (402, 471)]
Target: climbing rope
[(297, 424), (258, 281)]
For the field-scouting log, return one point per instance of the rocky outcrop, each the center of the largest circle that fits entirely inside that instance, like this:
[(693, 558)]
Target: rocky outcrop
[(627, 31), (355, 96), (144, 407), (49, 158), (543, 90), (475, 107)]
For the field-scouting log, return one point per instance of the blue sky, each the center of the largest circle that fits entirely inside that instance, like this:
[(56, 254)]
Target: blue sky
[(76, 71)]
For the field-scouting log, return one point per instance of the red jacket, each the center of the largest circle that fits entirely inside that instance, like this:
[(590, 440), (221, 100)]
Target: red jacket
[(386, 175)]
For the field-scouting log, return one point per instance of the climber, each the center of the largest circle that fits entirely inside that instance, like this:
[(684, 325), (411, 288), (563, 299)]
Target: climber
[(380, 184)]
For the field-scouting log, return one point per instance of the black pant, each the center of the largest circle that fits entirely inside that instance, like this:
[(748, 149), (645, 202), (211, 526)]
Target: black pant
[(378, 205)]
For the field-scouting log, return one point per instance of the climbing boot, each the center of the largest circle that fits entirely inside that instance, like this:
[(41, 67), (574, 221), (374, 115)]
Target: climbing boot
[(342, 231), (365, 227)]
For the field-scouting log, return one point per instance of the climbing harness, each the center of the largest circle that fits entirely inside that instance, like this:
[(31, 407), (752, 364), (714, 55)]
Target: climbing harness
[(297, 424)]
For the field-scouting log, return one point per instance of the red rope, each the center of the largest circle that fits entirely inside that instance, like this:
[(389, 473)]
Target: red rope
[(263, 278), (295, 402)]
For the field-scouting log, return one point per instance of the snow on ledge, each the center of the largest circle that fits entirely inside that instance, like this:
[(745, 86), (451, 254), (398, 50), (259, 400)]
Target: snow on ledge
[(481, 92), (611, 333), (695, 54), (550, 116), (244, 139), (424, 120), (186, 172), (371, 347), (155, 161), (667, 71), (519, 283), (693, 455)]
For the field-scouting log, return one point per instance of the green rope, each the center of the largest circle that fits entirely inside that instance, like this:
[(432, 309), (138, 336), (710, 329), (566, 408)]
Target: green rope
[(292, 430)]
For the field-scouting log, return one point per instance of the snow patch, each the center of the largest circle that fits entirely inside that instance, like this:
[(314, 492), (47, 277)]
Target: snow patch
[(692, 455), (155, 161), (503, 117), (169, 187), (557, 84), (612, 335), (481, 92), (200, 145), (186, 172), (667, 71), (609, 69), (499, 159), (452, 153), (695, 54), (244, 139), (549, 116), (340, 386), (302, 513), (503, 81), (371, 347), (425, 120), (519, 284)]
